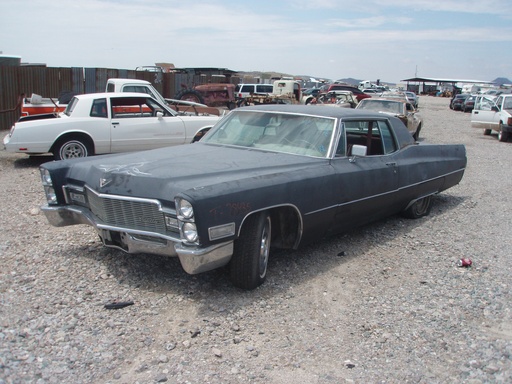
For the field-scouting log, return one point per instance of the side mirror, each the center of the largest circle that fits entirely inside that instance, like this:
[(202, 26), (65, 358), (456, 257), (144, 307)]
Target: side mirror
[(495, 108), (159, 114), (357, 151)]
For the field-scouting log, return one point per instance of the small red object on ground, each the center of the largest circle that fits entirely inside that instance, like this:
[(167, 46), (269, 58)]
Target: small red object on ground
[(464, 263)]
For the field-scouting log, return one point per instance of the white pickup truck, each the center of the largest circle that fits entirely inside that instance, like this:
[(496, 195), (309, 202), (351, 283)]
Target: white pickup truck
[(493, 114), (143, 86)]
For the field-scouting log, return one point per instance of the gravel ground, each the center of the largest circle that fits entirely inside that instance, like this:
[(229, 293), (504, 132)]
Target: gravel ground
[(385, 303)]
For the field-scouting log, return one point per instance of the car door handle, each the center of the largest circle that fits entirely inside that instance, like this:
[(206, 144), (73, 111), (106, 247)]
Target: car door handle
[(475, 112), (115, 123), (391, 164)]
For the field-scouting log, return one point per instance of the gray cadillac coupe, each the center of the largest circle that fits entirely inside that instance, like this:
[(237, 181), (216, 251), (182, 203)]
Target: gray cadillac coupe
[(270, 176)]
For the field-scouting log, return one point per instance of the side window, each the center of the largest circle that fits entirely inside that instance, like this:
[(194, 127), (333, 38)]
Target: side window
[(247, 88), (484, 103), (99, 108), (499, 101), (139, 107), (376, 136), (264, 88), (508, 103), (388, 141)]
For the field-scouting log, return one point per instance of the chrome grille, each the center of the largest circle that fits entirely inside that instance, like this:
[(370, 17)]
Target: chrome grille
[(118, 211)]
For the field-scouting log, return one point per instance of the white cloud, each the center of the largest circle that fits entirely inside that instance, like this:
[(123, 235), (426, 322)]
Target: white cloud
[(285, 37)]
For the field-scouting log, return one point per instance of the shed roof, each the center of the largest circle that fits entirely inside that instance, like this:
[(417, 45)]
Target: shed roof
[(440, 80)]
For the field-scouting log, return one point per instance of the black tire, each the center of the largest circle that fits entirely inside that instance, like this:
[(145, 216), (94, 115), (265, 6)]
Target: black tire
[(419, 208), (416, 135), (241, 103), (190, 95), (71, 148), (248, 265), (502, 135)]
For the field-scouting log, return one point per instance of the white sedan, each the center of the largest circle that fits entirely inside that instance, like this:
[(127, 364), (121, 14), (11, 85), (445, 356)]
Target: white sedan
[(99, 123)]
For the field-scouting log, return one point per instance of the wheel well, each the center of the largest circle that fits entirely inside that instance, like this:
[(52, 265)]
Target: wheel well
[(86, 139), (286, 227), (199, 135)]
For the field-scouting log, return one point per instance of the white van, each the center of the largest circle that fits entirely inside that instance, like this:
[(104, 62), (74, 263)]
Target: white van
[(245, 90)]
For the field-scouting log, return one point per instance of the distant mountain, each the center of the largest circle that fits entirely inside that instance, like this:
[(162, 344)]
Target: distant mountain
[(350, 81), (501, 80), (256, 76)]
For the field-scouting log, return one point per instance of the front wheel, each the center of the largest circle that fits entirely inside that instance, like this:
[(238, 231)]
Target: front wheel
[(248, 265), (419, 208), (416, 135), (71, 148)]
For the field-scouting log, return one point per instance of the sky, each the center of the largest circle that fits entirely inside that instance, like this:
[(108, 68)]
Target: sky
[(389, 40)]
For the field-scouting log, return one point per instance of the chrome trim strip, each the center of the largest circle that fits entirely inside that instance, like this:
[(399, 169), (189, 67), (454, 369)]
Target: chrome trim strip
[(384, 193)]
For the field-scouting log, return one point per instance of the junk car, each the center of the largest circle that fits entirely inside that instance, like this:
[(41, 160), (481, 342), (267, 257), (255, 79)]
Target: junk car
[(264, 177), (402, 109), (100, 123)]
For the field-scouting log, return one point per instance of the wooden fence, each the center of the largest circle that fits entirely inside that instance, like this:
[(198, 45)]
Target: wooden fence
[(16, 82)]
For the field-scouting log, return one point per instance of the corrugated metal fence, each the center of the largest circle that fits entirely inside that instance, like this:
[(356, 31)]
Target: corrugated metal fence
[(51, 82)]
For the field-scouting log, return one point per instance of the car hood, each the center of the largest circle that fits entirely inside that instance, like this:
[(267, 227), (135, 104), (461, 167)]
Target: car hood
[(164, 173)]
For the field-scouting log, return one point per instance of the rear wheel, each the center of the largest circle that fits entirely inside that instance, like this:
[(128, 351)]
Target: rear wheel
[(419, 208), (72, 147), (190, 95), (502, 136), (248, 266)]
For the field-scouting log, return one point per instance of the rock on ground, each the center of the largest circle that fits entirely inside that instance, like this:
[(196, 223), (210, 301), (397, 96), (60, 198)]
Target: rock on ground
[(385, 303)]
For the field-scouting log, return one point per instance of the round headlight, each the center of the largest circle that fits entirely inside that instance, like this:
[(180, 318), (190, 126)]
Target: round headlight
[(45, 176), (190, 232), (185, 209), (51, 197)]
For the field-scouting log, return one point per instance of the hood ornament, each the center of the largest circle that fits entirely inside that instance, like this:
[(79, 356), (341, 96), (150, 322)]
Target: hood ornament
[(104, 182)]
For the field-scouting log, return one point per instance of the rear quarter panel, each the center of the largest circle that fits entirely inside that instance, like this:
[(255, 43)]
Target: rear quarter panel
[(39, 136)]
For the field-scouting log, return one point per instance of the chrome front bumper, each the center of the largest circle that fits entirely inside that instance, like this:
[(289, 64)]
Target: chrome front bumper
[(193, 259)]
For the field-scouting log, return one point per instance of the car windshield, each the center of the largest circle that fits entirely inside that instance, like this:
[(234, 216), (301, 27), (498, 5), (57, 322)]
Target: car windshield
[(278, 132), (389, 106)]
